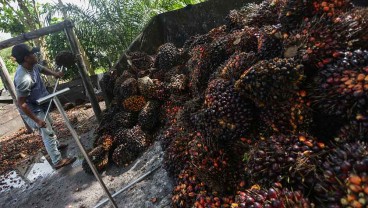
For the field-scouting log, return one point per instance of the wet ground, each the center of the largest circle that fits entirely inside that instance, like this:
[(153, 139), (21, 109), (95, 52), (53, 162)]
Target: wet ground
[(36, 184)]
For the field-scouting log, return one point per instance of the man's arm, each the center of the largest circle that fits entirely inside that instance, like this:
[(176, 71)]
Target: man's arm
[(47, 71), (23, 105)]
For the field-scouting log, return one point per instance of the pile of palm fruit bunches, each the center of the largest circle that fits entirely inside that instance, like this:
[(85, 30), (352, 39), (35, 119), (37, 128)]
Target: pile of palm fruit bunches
[(268, 110)]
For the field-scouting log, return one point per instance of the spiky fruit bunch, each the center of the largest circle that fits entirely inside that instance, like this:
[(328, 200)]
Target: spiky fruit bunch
[(356, 130), (132, 145), (66, 59), (148, 118), (125, 88), (269, 43), (318, 39), (139, 60), (225, 115), (125, 119), (187, 188), (177, 154), (211, 165), (106, 141), (357, 191), (107, 83), (196, 40), (274, 197), (178, 84), (335, 168), (291, 116), (331, 7), (199, 68), (271, 81), (289, 159), (120, 136), (99, 157), (206, 199), (265, 13), (352, 26), (152, 88), (293, 12), (235, 65), (106, 126), (341, 87), (123, 155), (167, 56), (134, 103)]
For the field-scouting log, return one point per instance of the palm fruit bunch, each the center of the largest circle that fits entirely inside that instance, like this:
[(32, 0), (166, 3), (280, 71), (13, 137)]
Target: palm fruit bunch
[(107, 83), (274, 197), (167, 57), (331, 7), (211, 165), (198, 67), (177, 156), (125, 119), (212, 199), (293, 12), (139, 61), (134, 103), (357, 191), (269, 43), (106, 126), (131, 146), (271, 81), (148, 118), (335, 169), (291, 116), (120, 136), (99, 156), (235, 65), (353, 27), (341, 86), (235, 20), (320, 39), (106, 141), (289, 159), (178, 84), (152, 88), (196, 40), (265, 13), (244, 40), (187, 188), (66, 59), (225, 116), (125, 88), (356, 130)]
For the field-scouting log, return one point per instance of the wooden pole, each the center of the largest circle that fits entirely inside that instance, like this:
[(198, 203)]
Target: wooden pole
[(5, 77), (33, 35), (82, 69)]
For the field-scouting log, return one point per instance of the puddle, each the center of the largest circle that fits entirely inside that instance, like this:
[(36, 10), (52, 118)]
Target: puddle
[(24, 175), (40, 169), (11, 180)]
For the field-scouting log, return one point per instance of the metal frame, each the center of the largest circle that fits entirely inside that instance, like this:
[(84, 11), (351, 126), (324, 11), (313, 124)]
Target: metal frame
[(76, 138)]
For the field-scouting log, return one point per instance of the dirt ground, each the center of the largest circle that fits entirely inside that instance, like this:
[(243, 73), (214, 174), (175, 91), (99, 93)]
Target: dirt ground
[(72, 187)]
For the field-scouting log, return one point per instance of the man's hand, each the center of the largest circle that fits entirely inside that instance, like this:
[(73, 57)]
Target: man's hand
[(59, 74), (41, 123)]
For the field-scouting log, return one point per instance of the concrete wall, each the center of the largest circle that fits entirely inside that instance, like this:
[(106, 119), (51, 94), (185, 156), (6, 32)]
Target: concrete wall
[(179, 25)]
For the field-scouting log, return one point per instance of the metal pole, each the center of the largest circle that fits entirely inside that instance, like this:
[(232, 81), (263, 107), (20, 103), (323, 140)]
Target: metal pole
[(72, 37), (5, 77), (76, 138), (128, 186)]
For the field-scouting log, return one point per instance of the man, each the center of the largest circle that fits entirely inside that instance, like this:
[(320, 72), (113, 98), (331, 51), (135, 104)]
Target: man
[(29, 88)]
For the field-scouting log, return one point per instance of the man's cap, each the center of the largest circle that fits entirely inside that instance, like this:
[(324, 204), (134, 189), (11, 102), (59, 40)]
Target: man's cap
[(22, 50)]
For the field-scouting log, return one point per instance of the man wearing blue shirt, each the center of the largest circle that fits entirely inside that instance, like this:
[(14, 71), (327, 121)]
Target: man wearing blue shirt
[(29, 88)]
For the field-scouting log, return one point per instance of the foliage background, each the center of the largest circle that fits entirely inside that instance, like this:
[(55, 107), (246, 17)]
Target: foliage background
[(105, 28)]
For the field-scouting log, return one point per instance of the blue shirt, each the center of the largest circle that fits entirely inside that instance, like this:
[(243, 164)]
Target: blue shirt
[(30, 85)]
